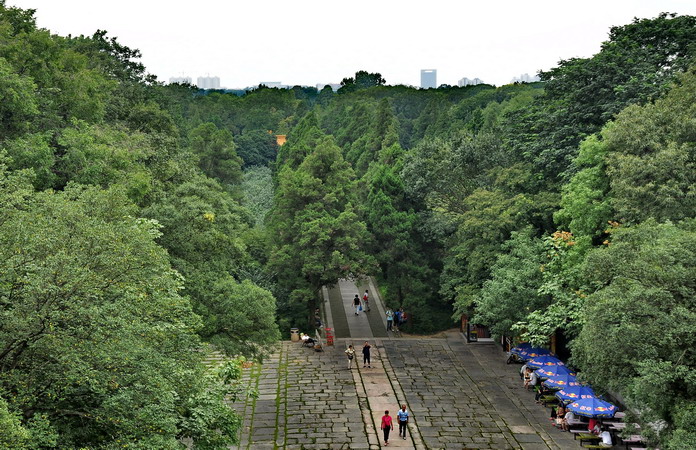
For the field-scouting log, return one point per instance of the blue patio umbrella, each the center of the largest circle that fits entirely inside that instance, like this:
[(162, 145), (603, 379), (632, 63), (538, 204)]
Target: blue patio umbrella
[(533, 352), (561, 381), (593, 407), (544, 361), (573, 393), (553, 371), (516, 350)]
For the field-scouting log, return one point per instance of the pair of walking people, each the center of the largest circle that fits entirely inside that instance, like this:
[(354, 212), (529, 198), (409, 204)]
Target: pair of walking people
[(363, 304), (401, 417), (350, 353)]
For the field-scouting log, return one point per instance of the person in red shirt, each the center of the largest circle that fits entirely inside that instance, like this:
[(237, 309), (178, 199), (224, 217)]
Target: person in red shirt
[(386, 426), (592, 425)]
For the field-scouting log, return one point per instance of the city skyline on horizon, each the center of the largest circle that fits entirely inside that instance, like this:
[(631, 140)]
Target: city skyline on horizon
[(323, 42), (196, 80)]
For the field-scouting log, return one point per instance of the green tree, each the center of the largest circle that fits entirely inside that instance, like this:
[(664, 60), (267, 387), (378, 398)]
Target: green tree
[(13, 434), (256, 148), (318, 235), (204, 231), (361, 80), (405, 257), (18, 102), (585, 204), (640, 324), (33, 151), (257, 186), (97, 346), (216, 151), (103, 156), (652, 157), (512, 291), (239, 317), (635, 65)]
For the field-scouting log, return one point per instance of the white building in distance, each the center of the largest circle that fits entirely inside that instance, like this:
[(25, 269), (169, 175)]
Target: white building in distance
[(208, 83), (428, 78), (467, 82), (525, 78)]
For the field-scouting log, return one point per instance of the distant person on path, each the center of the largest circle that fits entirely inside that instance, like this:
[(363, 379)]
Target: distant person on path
[(366, 300), (397, 319), (317, 319), (366, 354), (386, 426), (390, 319), (356, 304), (402, 415), (350, 353)]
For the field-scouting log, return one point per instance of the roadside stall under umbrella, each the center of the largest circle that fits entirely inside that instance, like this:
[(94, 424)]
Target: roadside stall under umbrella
[(574, 393), (593, 407)]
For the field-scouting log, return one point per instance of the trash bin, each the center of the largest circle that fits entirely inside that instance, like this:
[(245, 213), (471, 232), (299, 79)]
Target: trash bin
[(294, 334), (473, 336)]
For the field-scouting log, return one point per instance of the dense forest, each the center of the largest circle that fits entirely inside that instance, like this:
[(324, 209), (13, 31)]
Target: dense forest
[(143, 224)]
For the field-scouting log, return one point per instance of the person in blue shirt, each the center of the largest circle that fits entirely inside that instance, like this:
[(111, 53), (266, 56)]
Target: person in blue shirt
[(397, 319), (402, 417)]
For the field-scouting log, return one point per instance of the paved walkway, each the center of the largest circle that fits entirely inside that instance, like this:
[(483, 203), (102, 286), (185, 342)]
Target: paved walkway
[(461, 395)]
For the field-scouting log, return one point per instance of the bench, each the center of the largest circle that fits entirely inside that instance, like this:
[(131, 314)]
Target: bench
[(548, 400), (584, 436)]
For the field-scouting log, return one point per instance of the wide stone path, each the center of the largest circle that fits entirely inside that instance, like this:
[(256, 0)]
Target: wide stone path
[(462, 396)]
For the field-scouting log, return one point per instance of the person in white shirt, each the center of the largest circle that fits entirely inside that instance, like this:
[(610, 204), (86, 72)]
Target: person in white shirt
[(606, 439), (569, 417), (523, 370)]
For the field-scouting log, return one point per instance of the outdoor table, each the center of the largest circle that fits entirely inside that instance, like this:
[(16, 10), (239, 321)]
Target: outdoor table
[(576, 422), (622, 426), (633, 439)]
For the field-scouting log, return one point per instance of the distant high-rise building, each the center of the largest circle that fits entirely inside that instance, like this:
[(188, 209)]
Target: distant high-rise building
[(428, 78), (208, 82), (467, 82), (525, 78), (272, 84), (180, 80)]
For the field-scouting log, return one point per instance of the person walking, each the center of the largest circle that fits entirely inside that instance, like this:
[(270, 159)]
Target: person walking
[(386, 426), (356, 304), (397, 319), (390, 319), (366, 354), (402, 415), (366, 300), (350, 353)]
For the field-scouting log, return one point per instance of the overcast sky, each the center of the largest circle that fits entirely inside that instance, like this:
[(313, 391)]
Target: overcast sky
[(322, 41)]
